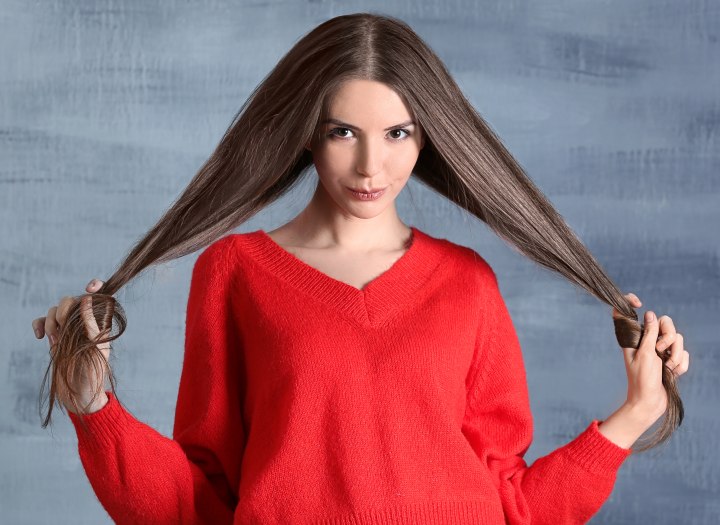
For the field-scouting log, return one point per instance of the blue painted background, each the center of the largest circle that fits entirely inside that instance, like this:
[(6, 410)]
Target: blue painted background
[(107, 110)]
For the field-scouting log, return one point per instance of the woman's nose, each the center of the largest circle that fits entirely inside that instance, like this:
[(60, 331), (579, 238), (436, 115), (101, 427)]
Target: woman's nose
[(370, 159)]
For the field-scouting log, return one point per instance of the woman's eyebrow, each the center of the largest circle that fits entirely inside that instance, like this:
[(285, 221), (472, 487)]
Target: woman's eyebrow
[(350, 126)]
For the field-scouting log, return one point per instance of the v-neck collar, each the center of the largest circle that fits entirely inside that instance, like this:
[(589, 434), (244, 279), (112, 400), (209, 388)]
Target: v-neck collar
[(377, 301)]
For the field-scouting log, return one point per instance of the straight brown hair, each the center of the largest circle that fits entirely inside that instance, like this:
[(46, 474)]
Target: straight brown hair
[(463, 160)]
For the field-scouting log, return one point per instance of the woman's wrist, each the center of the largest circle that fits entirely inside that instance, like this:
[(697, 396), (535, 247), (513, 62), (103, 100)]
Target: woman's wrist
[(624, 426), (100, 401)]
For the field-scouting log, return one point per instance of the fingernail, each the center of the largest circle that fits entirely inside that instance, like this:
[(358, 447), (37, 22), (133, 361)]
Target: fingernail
[(52, 339), (37, 333), (649, 317), (92, 283)]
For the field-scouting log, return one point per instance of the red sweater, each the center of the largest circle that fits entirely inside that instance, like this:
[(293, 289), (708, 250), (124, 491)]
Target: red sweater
[(303, 399)]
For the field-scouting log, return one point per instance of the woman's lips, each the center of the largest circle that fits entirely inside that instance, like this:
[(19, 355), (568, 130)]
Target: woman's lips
[(364, 196)]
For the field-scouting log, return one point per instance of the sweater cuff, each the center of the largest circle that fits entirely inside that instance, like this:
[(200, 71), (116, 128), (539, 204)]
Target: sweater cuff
[(103, 426), (595, 452)]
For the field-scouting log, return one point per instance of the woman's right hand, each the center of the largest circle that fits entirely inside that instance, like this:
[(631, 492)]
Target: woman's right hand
[(89, 381)]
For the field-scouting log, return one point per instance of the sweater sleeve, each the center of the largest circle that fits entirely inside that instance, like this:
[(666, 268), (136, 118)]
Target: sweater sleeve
[(141, 476), (568, 485)]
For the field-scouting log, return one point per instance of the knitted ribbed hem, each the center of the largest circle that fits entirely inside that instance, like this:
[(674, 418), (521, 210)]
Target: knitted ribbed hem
[(429, 513), (595, 452), (103, 426)]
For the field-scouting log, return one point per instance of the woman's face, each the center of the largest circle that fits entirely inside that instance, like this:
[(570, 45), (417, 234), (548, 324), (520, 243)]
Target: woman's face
[(369, 143)]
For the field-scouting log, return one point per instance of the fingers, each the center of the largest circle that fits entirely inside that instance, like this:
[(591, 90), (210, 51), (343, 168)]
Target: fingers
[(684, 364), (672, 343), (62, 310), (38, 326), (51, 325), (647, 341), (658, 335), (94, 285), (89, 317), (677, 355), (650, 334), (667, 333), (629, 353), (634, 300), (648, 338)]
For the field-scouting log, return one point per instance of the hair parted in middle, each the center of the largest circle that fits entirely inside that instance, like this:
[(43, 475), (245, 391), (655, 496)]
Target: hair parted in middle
[(262, 155)]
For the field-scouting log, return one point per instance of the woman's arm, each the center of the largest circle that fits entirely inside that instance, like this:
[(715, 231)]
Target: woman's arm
[(568, 485), (141, 476), (624, 426)]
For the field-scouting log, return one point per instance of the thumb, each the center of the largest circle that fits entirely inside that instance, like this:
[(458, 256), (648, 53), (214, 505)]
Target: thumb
[(89, 317), (648, 338), (650, 333)]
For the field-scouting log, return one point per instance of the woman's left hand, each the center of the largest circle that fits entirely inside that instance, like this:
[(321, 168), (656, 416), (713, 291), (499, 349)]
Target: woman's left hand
[(643, 365)]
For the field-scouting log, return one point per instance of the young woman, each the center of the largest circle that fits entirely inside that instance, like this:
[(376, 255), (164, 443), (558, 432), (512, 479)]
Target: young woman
[(347, 367)]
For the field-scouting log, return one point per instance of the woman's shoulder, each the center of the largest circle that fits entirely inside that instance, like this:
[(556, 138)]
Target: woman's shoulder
[(468, 258), (236, 252), (230, 246), (216, 258), (219, 251)]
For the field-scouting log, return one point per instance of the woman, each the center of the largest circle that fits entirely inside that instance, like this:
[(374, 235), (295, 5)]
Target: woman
[(347, 367)]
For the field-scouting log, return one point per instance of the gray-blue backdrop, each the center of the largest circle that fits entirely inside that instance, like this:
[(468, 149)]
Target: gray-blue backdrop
[(108, 109)]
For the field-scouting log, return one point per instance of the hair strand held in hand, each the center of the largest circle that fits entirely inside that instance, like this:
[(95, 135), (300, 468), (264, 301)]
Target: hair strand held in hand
[(261, 157)]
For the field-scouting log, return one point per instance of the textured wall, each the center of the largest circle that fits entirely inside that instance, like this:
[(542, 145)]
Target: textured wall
[(108, 108)]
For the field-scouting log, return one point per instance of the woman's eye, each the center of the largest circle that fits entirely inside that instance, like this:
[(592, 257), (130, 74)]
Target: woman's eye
[(334, 133), (407, 133)]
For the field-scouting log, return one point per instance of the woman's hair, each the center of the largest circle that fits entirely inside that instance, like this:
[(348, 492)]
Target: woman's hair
[(262, 156)]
